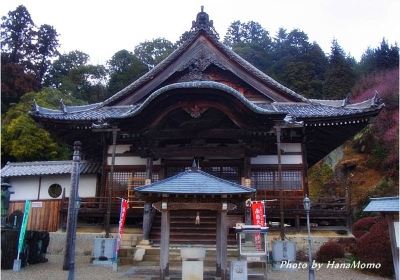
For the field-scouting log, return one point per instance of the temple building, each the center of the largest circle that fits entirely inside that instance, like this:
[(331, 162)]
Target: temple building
[(206, 104)]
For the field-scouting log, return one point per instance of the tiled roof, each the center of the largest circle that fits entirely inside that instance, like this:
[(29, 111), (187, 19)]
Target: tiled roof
[(383, 204), (194, 182), (296, 110), (16, 169)]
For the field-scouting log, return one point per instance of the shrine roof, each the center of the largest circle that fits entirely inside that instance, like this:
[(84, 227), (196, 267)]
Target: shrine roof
[(131, 100), (296, 110), (195, 182), (383, 204), (38, 168)]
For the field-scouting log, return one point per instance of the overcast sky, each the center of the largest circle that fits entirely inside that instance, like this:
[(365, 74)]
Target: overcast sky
[(101, 28)]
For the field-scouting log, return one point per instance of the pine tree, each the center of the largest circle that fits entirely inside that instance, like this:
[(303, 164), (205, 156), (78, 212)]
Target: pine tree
[(339, 76)]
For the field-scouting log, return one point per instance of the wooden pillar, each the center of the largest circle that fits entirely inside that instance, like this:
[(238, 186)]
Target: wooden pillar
[(281, 197), (149, 170), (111, 181), (305, 165), (218, 246), (222, 250), (147, 215), (164, 243), (224, 242), (395, 251)]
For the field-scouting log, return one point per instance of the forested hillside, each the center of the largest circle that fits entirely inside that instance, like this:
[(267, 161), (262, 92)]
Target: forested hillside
[(32, 68)]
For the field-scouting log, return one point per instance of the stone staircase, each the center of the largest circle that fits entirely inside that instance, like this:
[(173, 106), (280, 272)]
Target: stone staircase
[(151, 258), (183, 229)]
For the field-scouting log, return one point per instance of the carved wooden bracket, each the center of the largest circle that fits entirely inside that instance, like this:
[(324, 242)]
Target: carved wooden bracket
[(194, 110)]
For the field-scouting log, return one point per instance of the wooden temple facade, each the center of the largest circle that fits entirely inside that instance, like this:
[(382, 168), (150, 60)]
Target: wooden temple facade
[(206, 103)]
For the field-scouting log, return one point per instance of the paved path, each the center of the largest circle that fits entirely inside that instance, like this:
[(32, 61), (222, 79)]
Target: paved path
[(85, 271)]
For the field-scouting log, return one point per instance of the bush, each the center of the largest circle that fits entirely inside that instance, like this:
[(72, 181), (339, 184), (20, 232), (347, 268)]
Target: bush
[(329, 251), (374, 247), (362, 226)]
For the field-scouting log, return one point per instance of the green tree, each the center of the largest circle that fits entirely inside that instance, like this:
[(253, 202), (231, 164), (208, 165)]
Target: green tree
[(124, 68), (250, 32), (381, 58), (72, 74), (251, 41), (153, 52), (22, 139), (297, 63), (340, 75), (17, 32), (46, 49)]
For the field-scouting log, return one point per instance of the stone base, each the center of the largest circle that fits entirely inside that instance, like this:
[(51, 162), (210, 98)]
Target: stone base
[(192, 270)]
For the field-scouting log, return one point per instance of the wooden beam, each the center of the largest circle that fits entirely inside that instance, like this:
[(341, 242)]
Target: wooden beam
[(194, 206), (170, 152), (164, 244)]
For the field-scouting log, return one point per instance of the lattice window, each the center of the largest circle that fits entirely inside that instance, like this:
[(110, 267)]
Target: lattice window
[(173, 170), (230, 173), (121, 179), (269, 179), (263, 180)]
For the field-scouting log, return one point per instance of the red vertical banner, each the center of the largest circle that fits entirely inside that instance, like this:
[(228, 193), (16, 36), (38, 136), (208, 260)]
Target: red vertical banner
[(122, 217), (258, 218), (257, 211)]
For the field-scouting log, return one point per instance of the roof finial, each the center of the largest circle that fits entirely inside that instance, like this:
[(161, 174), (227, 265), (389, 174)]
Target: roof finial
[(35, 107), (62, 106), (194, 164), (202, 8), (376, 100)]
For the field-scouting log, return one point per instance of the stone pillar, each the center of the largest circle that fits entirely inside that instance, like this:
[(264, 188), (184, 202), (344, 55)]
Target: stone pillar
[(164, 244), (147, 211), (73, 208), (222, 243)]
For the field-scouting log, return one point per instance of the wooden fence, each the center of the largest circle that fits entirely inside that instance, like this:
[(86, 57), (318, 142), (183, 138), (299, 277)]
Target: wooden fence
[(44, 215)]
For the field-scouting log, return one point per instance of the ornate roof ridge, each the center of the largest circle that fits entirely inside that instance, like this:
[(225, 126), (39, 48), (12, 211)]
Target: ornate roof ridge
[(204, 26)]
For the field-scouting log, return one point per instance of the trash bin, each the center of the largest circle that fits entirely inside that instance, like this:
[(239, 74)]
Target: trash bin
[(192, 263)]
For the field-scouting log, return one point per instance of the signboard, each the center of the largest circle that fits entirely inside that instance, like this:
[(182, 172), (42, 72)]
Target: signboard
[(122, 217), (37, 204)]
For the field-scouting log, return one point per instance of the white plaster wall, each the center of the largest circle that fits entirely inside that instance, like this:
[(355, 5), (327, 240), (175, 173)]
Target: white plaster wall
[(291, 147), (273, 159), (130, 160), (24, 188), (28, 187), (87, 185), (119, 149)]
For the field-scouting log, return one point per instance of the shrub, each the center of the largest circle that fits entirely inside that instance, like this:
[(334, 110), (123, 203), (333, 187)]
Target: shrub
[(329, 251), (374, 247), (362, 226)]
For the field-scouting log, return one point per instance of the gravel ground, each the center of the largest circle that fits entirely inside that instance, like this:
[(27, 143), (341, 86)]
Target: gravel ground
[(85, 271)]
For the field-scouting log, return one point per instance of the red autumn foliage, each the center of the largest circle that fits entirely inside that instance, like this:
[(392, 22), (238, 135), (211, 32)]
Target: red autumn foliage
[(374, 247), (329, 251), (385, 127), (362, 226)]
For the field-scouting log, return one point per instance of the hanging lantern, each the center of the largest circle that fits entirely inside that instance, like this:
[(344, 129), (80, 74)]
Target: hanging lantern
[(197, 220)]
